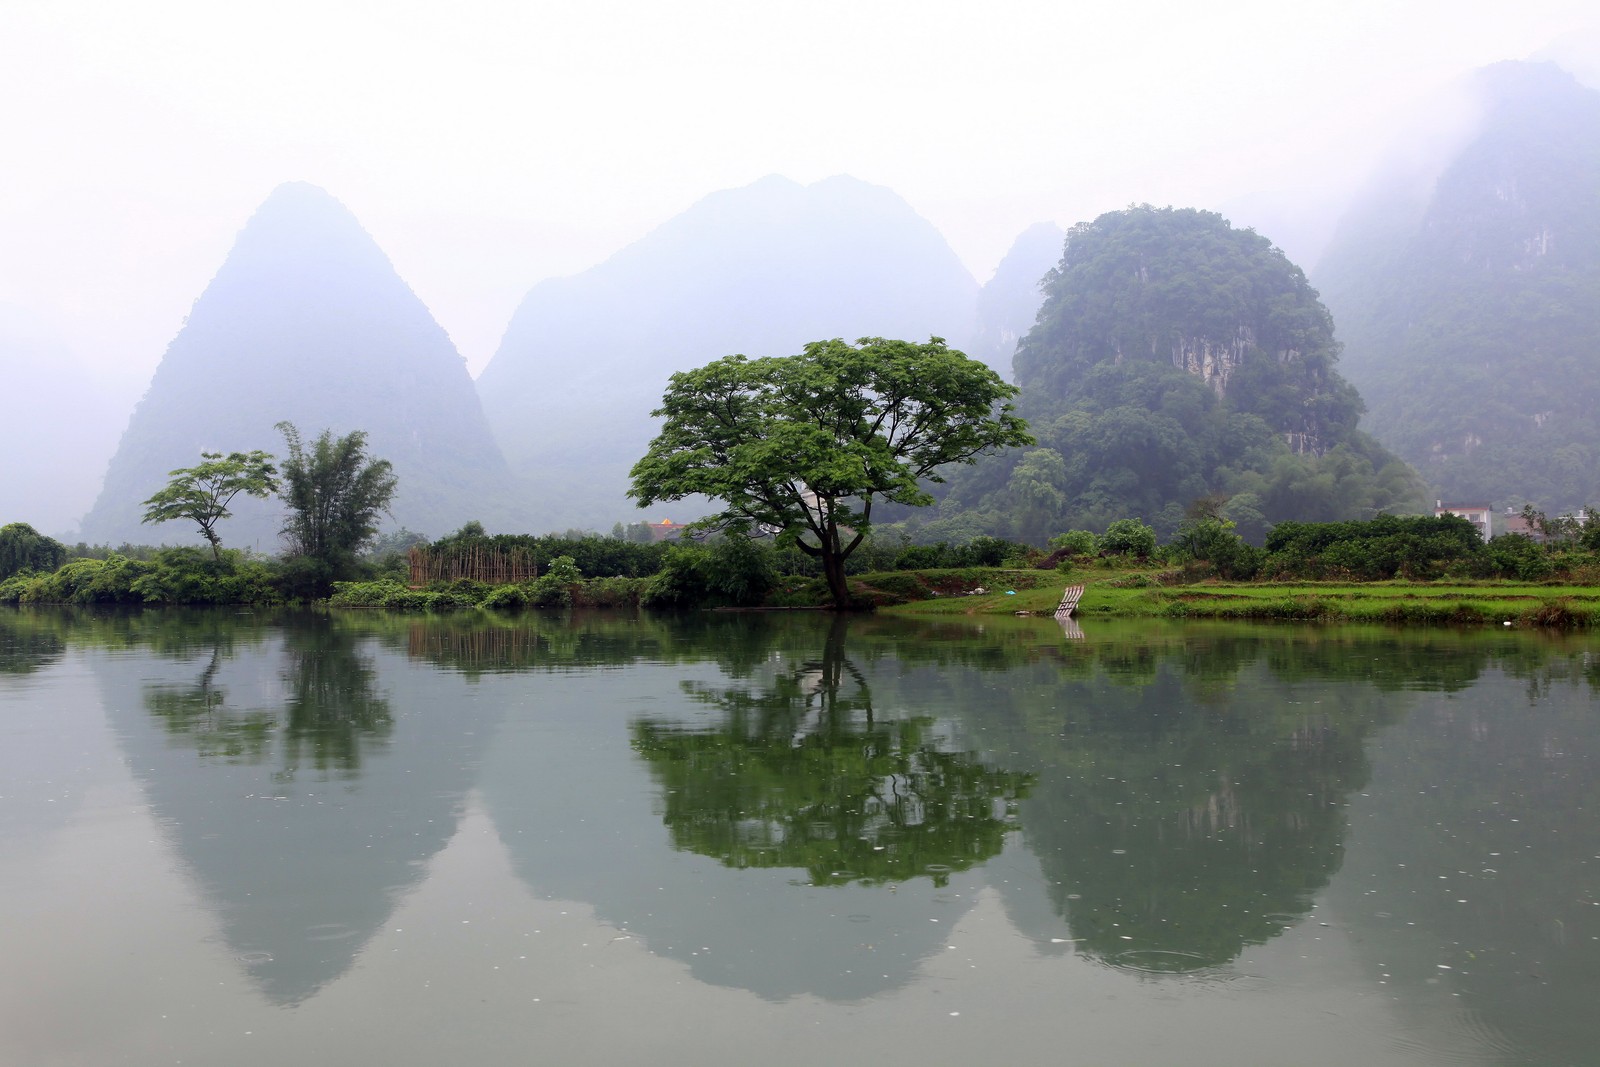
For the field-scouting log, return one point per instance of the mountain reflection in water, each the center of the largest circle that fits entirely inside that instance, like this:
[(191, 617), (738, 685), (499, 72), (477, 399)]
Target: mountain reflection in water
[(807, 806)]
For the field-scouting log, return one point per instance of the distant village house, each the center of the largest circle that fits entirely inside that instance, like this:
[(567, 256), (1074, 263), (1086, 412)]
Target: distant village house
[(1477, 514), (664, 530)]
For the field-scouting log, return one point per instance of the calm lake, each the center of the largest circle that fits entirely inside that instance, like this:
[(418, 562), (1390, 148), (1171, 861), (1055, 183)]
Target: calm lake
[(233, 838)]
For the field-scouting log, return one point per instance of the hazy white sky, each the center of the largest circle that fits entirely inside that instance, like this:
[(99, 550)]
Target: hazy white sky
[(487, 145)]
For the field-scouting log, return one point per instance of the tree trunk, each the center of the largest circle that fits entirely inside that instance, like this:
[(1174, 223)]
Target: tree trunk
[(833, 570)]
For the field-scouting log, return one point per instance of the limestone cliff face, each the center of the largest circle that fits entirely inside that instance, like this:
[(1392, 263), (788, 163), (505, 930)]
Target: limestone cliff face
[(1470, 312), (307, 321), (1213, 361)]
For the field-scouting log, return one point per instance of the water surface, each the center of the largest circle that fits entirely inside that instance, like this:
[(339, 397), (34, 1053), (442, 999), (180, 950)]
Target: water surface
[(247, 838)]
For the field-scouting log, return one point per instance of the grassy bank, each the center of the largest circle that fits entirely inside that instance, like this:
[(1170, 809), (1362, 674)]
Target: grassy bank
[(1151, 594)]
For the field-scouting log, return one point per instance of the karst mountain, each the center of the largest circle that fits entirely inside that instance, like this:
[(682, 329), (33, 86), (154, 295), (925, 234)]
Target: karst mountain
[(759, 270), (307, 321), (1467, 295)]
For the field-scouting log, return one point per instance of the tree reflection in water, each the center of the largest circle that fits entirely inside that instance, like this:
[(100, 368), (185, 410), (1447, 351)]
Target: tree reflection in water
[(331, 706), (800, 772)]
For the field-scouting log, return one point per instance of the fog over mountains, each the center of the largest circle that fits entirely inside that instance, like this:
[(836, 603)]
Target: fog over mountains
[(307, 321), (760, 270), (1465, 290), (1468, 300)]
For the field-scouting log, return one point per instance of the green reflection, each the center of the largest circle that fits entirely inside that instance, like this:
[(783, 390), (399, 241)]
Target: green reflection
[(1180, 823), (27, 642), (798, 772), (333, 705), (330, 710), (199, 712)]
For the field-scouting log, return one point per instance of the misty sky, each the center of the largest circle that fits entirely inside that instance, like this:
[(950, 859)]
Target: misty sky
[(487, 145)]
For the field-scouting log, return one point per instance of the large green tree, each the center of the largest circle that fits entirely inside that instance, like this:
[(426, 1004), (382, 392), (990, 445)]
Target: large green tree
[(804, 445), (335, 493), (203, 492)]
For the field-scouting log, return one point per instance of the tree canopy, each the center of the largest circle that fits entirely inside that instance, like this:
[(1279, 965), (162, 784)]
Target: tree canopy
[(804, 445), (203, 492)]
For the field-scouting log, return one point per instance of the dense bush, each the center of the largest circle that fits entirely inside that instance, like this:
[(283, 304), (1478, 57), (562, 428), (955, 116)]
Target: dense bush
[(1214, 543), (1516, 556), (88, 581), (728, 571), (1389, 546), (1076, 543), (194, 576), (22, 548), (1128, 537)]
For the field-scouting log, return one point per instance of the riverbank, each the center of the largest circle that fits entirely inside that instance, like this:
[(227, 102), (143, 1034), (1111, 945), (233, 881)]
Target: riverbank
[(1164, 594)]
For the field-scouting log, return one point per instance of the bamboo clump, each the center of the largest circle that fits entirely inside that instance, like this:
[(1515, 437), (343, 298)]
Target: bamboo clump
[(476, 562)]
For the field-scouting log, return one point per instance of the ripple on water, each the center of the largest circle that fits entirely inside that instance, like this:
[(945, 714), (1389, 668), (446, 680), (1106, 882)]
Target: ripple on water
[(1159, 961)]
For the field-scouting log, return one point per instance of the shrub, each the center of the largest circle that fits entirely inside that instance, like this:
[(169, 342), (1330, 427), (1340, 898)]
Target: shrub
[(1213, 542), (1076, 543), (89, 581), (505, 598), (1128, 537), (1516, 556), (921, 557)]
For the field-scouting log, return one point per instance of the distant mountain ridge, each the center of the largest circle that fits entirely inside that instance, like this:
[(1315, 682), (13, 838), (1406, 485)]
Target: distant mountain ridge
[(1009, 301), (1470, 308), (307, 321), (759, 270)]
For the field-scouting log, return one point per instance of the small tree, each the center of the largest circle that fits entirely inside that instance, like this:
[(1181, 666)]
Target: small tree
[(202, 493), (335, 493), (1128, 537), (803, 445)]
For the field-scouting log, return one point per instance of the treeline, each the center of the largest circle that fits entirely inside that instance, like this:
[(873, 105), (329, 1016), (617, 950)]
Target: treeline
[(577, 569), (1418, 548)]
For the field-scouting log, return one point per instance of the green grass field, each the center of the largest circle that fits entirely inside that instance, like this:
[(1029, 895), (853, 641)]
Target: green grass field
[(1151, 594)]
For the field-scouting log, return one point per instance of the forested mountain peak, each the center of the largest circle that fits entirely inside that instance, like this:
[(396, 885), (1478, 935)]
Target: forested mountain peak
[(1182, 287), (1178, 363), (760, 270), (1470, 310), (307, 321)]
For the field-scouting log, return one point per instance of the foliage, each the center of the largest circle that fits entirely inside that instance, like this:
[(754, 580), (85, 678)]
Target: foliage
[(1516, 556), (394, 543), (203, 492), (1382, 548), (553, 588), (335, 493), (22, 548), (187, 576), (1128, 537), (1076, 543), (1213, 541), (86, 581), (728, 571), (805, 445), (595, 556)]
